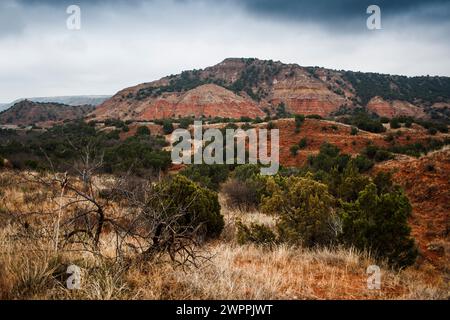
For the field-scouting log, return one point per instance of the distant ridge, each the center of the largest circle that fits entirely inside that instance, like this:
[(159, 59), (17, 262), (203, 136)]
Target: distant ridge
[(93, 100), (26, 113)]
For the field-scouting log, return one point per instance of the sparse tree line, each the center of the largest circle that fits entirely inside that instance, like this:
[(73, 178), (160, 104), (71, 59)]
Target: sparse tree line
[(60, 146)]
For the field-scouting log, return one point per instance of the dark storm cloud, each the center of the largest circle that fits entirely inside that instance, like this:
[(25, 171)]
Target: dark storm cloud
[(322, 11), (11, 22), (338, 10), (126, 42)]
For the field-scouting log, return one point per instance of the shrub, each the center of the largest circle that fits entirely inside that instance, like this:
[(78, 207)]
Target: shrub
[(135, 154), (113, 135), (209, 176), (114, 123), (383, 182), (32, 164), (257, 120), (299, 119), (246, 172), (363, 121), (377, 154), (441, 127), (328, 158), (389, 138), (143, 131), (370, 151), (255, 233), (198, 207), (167, 127), (245, 119), (246, 188), (416, 149), (185, 123), (303, 143), (314, 116), (294, 150), (304, 209), (281, 111), (241, 194), (432, 131), (354, 131), (380, 223), (231, 126), (348, 184), (246, 126), (395, 124), (383, 155), (363, 163)]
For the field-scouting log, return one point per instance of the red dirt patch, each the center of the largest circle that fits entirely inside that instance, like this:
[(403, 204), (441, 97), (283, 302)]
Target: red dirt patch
[(427, 184)]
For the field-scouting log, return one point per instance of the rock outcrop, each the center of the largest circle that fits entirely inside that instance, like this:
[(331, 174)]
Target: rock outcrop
[(394, 108)]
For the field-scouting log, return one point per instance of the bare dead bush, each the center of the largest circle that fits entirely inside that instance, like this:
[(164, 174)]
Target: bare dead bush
[(240, 195), (77, 213)]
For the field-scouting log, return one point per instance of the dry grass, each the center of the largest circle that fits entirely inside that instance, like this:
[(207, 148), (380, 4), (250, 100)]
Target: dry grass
[(30, 269)]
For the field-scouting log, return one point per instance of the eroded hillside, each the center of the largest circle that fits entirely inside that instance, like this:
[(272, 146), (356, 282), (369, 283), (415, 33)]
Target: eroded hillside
[(253, 88), (427, 183)]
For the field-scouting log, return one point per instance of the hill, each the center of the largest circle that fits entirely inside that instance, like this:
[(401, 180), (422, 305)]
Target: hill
[(93, 100), (426, 182), (33, 113), (239, 87)]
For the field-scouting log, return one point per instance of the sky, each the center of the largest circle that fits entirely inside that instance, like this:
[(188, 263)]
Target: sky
[(124, 43)]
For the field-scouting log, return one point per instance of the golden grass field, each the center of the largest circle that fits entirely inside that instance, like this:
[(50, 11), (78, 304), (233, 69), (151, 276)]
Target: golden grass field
[(31, 268)]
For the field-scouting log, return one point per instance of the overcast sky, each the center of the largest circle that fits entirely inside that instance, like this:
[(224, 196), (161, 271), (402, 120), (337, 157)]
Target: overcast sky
[(124, 43)]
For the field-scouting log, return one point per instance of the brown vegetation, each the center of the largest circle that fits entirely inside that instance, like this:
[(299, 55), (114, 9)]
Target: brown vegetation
[(31, 268)]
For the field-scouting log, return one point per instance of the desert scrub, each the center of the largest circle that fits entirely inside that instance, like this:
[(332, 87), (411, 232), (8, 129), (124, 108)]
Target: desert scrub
[(245, 188), (255, 233), (240, 195), (379, 221), (304, 208), (197, 207)]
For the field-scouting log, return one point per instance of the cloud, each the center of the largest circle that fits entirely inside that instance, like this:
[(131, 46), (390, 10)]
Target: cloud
[(327, 11), (11, 20), (123, 43)]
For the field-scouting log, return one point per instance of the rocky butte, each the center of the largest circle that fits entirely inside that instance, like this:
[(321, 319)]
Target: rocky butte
[(239, 87)]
